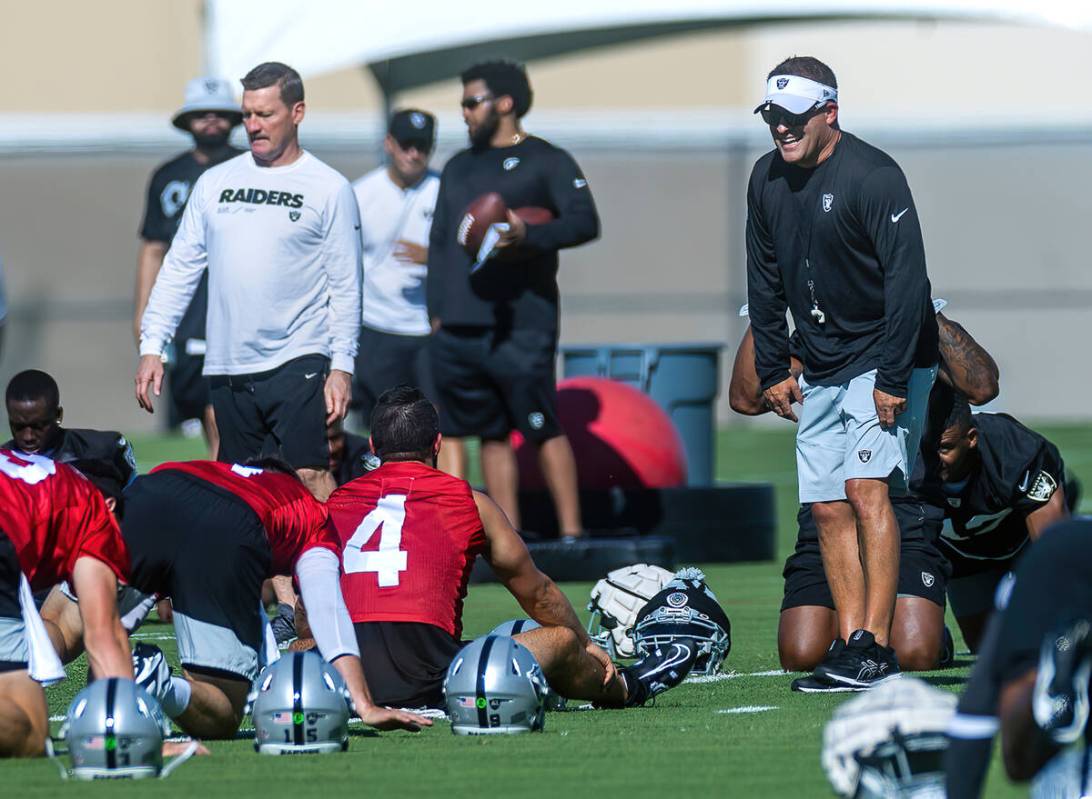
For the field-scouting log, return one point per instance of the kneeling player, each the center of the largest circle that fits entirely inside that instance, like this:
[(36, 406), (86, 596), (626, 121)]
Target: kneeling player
[(54, 525), (1000, 485), (410, 534), (809, 622), (208, 534)]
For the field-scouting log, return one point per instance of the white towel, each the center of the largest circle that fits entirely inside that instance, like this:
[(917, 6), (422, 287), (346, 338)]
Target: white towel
[(42, 661)]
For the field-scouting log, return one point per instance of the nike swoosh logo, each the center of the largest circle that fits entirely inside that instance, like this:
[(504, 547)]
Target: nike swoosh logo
[(1024, 485), (898, 216), (309, 375)]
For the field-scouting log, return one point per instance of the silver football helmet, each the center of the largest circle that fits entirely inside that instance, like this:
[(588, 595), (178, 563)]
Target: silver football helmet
[(685, 608), (889, 742), (512, 628), (114, 730), (615, 601), (494, 685), (300, 705)]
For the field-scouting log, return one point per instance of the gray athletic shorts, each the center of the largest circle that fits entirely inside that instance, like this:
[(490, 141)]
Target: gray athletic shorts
[(839, 437)]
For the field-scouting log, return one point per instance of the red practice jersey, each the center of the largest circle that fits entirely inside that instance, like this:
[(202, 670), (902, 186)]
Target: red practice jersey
[(293, 519), (53, 515), (409, 536)]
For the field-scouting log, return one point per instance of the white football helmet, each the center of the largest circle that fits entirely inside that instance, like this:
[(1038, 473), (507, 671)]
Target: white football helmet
[(615, 601), (889, 742)]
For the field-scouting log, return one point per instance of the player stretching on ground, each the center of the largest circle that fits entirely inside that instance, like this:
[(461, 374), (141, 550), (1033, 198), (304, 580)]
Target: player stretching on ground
[(410, 535), (832, 235), (207, 534), (54, 525)]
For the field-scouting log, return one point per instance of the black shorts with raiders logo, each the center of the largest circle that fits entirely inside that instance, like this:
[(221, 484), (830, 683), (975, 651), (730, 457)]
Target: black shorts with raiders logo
[(923, 571), (492, 381)]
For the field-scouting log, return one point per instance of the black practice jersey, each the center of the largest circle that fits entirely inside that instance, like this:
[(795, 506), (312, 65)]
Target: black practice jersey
[(1018, 473), (77, 444), (168, 191), (1052, 588), (518, 290), (840, 246)]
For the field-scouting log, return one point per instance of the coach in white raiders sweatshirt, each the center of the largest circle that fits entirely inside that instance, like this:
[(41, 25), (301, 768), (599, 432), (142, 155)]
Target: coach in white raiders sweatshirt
[(279, 232)]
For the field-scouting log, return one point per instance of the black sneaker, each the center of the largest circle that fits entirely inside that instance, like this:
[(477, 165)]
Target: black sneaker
[(665, 667), (817, 685), (862, 664), (1060, 700), (284, 624), (150, 670)]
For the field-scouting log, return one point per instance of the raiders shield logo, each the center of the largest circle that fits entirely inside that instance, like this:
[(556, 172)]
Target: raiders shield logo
[(1043, 488), (782, 83), (294, 216), (927, 579), (865, 455), (828, 202)]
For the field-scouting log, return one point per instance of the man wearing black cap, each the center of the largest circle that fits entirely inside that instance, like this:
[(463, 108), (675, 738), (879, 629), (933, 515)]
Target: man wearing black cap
[(209, 114), (396, 204), (833, 236)]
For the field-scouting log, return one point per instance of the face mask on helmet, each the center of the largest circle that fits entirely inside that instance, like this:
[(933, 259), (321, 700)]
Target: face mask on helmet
[(512, 628), (889, 742), (495, 686), (686, 608), (114, 730), (300, 705), (615, 601)]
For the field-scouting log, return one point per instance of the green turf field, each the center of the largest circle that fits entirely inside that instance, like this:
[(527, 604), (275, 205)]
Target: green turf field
[(743, 735)]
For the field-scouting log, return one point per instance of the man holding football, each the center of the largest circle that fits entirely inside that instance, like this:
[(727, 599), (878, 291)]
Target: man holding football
[(496, 328)]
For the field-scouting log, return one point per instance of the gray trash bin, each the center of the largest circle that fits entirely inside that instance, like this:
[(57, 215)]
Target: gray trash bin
[(683, 379)]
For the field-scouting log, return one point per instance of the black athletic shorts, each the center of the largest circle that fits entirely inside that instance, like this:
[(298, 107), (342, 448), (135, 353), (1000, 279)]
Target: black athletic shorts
[(188, 388), (207, 550), (406, 662), (12, 640), (492, 382), (385, 360), (923, 571), (281, 412)]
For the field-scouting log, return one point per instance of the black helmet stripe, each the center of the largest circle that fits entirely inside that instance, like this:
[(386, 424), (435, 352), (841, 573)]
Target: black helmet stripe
[(110, 741), (479, 685), (518, 625), (297, 698)]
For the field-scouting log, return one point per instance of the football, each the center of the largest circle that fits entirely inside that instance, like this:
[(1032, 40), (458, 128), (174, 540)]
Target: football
[(490, 209)]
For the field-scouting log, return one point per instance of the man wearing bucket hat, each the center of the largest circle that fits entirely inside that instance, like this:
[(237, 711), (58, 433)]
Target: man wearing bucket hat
[(833, 237), (209, 114)]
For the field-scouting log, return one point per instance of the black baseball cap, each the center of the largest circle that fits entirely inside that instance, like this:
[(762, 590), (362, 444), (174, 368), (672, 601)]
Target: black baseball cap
[(411, 126)]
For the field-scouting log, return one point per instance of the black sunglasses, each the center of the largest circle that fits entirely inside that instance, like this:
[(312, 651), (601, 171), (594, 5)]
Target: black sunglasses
[(470, 103), (413, 144), (776, 116)]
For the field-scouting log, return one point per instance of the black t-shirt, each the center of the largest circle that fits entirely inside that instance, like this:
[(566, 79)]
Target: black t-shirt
[(168, 191), (1018, 473), (78, 444), (518, 290), (840, 246)]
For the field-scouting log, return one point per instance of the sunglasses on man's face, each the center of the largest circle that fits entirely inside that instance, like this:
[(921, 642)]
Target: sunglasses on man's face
[(470, 103), (776, 116)]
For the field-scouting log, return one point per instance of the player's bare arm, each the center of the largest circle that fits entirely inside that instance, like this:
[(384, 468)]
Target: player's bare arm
[(149, 260), (965, 364), (745, 394), (1053, 511), (781, 396), (1024, 747), (103, 636)]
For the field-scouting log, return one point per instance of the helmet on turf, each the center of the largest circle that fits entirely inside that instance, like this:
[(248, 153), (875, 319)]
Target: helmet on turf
[(114, 730), (889, 742), (300, 705), (686, 608), (615, 601), (494, 685), (512, 628)]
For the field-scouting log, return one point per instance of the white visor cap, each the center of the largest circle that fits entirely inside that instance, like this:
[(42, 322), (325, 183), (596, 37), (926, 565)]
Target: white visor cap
[(795, 94)]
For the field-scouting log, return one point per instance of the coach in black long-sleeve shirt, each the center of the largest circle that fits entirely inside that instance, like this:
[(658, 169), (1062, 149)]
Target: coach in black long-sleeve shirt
[(496, 329), (833, 237)]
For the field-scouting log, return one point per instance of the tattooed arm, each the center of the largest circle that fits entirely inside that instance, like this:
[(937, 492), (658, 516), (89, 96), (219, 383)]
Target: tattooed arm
[(965, 365)]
